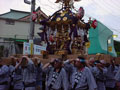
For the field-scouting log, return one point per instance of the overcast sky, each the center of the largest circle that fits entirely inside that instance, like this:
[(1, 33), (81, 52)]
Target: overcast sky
[(106, 11)]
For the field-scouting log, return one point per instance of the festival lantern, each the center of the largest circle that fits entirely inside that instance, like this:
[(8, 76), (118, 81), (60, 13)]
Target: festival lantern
[(80, 13), (94, 24), (34, 16), (51, 38)]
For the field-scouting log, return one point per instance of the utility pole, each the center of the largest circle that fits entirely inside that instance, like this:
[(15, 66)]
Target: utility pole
[(32, 24), (15, 43)]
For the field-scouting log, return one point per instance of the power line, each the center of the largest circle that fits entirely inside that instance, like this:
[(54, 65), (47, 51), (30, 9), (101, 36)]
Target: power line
[(112, 28), (115, 30), (104, 8), (89, 16), (108, 9), (118, 2), (47, 4), (51, 2), (45, 8), (105, 25), (110, 4), (113, 9), (115, 17), (113, 4)]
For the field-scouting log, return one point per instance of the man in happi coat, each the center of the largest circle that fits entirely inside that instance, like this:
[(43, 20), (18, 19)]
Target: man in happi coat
[(29, 75), (11, 71), (56, 76), (99, 73), (110, 80), (18, 76), (4, 76), (38, 69), (117, 78), (81, 77), (91, 64)]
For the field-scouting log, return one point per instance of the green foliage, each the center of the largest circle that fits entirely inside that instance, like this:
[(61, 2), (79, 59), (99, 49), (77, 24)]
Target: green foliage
[(117, 47), (118, 54)]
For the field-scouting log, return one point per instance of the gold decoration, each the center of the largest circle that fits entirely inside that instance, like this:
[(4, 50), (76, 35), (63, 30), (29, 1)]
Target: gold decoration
[(73, 25), (65, 12), (65, 18), (87, 44), (62, 14), (70, 14), (58, 19), (68, 38)]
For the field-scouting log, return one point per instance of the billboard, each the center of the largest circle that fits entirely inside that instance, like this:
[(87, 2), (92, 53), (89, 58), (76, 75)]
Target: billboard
[(36, 49)]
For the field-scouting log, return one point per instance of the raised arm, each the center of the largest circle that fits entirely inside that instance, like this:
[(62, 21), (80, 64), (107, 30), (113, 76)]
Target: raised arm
[(46, 68), (91, 80), (68, 66), (4, 69)]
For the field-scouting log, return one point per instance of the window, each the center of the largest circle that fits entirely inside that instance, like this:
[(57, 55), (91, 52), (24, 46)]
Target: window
[(10, 22)]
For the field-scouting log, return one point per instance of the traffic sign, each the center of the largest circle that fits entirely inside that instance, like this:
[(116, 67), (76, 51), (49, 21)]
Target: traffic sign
[(110, 48)]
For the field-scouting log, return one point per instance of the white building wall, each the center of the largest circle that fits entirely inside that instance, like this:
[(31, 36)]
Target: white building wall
[(20, 29)]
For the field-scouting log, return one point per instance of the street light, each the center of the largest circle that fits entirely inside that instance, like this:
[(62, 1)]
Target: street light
[(115, 36), (109, 40), (27, 2)]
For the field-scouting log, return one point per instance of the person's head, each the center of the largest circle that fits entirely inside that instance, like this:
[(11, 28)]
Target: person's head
[(18, 60), (24, 61), (80, 62), (112, 60), (13, 60), (58, 63), (103, 63), (36, 61), (97, 63), (30, 56), (91, 61)]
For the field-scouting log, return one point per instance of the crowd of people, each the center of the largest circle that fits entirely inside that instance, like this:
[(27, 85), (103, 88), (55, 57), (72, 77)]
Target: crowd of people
[(27, 73)]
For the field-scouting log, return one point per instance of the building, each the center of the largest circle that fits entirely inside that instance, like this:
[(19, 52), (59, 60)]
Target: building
[(101, 40), (14, 30)]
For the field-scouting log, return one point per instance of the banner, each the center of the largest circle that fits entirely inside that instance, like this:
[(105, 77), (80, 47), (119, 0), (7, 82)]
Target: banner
[(26, 48), (36, 49), (110, 48)]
